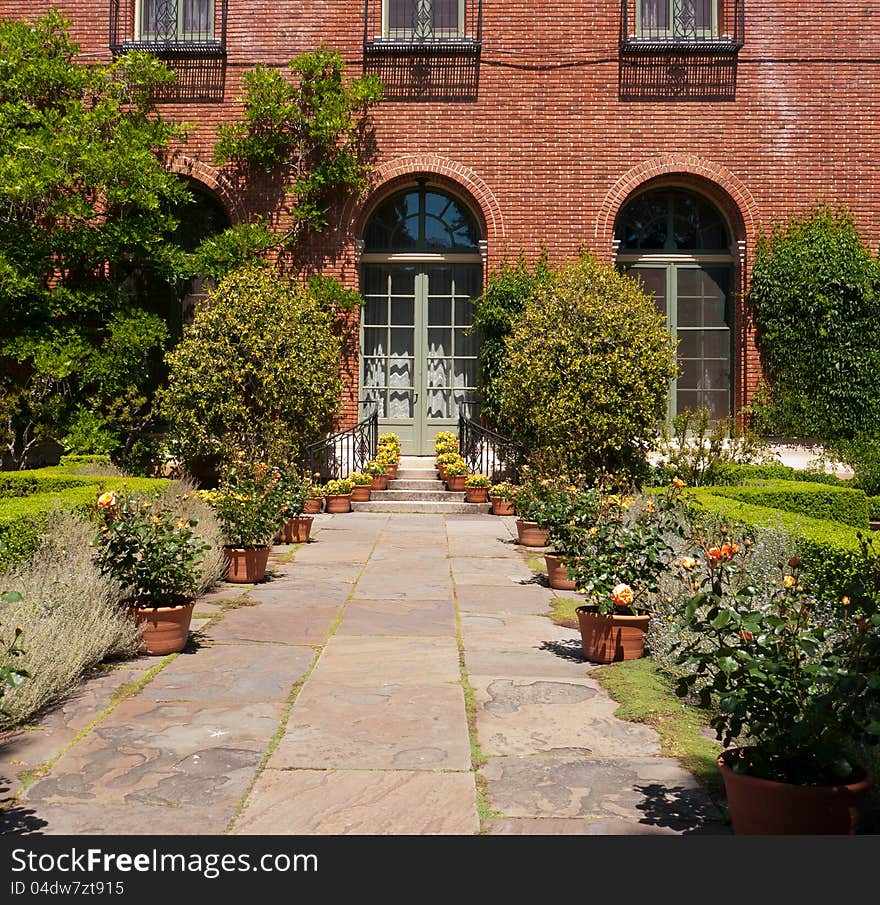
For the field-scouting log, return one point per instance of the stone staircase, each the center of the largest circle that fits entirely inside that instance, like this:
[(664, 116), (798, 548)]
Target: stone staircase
[(417, 489)]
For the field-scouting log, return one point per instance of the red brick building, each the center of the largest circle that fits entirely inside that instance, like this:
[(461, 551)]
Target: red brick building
[(664, 133)]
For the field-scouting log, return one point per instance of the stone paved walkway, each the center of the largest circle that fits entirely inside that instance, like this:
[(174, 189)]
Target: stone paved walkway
[(332, 699)]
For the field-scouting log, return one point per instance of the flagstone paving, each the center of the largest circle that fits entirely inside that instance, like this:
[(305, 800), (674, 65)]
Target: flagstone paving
[(332, 699)]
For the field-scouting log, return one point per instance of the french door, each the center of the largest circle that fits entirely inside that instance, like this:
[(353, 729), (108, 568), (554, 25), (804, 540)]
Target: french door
[(418, 357)]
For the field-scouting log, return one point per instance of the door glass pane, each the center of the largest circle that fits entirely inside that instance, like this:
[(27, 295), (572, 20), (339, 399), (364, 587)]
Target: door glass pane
[(375, 341), (400, 404), (439, 342), (439, 312), (653, 280), (702, 296), (464, 312), (375, 310), (465, 342), (466, 372), (468, 279), (439, 404), (403, 280), (439, 280), (403, 312), (439, 372), (403, 342), (654, 16)]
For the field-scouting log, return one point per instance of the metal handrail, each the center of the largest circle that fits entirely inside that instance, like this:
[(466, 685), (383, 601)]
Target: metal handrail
[(338, 455), (489, 453)]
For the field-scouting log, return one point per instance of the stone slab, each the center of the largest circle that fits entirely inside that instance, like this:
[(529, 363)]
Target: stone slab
[(506, 631), (232, 672), (651, 791), (330, 550), (399, 617), (332, 802), (295, 623), (178, 754), (552, 716), (421, 661), (375, 726), (552, 661), (501, 572), (523, 599), (382, 581)]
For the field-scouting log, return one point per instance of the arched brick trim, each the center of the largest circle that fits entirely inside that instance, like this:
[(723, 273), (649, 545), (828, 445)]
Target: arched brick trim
[(213, 180), (459, 178), (712, 179)]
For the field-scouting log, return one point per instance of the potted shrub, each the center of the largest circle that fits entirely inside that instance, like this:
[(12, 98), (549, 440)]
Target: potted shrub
[(248, 512), (502, 496), (376, 471), (456, 475), (445, 442), (565, 513), (337, 495), (444, 459), (530, 501), (389, 450), (618, 554), (155, 556), (291, 490), (361, 486), (796, 686), (476, 487), (314, 495)]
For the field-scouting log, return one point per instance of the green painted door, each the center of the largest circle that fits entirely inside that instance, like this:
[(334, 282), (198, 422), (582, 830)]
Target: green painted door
[(418, 358)]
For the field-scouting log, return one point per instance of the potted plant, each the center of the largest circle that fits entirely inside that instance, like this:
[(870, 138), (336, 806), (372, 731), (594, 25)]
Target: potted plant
[(361, 486), (337, 495), (246, 505), (618, 554), (445, 459), (313, 493), (376, 471), (291, 488), (476, 488), (796, 687), (564, 514), (502, 497), (155, 556), (456, 475), (389, 451), (445, 442), (530, 500)]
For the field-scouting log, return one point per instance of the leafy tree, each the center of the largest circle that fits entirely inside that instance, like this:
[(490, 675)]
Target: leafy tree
[(256, 374), (816, 296), (586, 383)]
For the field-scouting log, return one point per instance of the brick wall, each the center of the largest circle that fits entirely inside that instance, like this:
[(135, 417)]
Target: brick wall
[(550, 144)]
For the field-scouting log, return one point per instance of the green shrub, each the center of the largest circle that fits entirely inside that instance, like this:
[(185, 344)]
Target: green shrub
[(814, 291), (747, 474), (75, 461), (862, 454), (40, 480), (830, 550), (840, 504), (586, 383), (874, 508), (257, 373)]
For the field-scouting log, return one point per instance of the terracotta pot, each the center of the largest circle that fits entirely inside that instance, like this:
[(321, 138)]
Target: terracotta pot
[(502, 507), (164, 629), (557, 574), (763, 807), (297, 530), (246, 565), (380, 482), (477, 494), (339, 502), (313, 506), (455, 483), (609, 639), (441, 472), (391, 471), (360, 493), (530, 535)]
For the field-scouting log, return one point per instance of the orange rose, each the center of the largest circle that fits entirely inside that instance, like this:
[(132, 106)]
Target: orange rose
[(714, 556), (622, 595), (845, 601), (726, 552), (107, 500), (789, 581), (677, 482)]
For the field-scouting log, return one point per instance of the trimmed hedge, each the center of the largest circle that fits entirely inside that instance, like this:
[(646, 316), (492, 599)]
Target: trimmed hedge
[(818, 501), (745, 474), (874, 508), (76, 461), (830, 550), (24, 518), (41, 480)]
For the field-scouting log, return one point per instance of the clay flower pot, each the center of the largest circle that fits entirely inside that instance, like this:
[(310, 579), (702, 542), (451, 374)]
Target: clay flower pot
[(530, 535), (246, 565), (313, 506), (338, 502), (455, 483), (391, 471), (380, 482), (360, 493), (477, 494), (612, 638), (297, 530), (768, 808), (441, 472), (502, 507), (164, 629), (557, 574)]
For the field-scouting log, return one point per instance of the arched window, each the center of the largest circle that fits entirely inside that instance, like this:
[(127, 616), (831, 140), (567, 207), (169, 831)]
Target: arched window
[(678, 244), (420, 272)]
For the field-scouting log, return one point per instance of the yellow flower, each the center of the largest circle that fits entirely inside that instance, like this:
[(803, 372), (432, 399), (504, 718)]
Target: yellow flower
[(622, 595), (650, 506), (107, 500), (593, 531), (789, 581), (677, 482), (181, 523), (155, 519), (688, 562)]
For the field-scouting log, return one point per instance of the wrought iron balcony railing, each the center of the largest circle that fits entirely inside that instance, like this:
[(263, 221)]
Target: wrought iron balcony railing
[(169, 27), (682, 25), (423, 26)]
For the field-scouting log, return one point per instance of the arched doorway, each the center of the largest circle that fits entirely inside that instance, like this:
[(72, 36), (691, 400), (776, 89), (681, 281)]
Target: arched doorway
[(679, 245), (420, 272)]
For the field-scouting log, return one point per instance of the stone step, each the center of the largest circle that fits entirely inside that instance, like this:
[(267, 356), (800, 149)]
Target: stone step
[(423, 507), (416, 474), (436, 496), (407, 484)]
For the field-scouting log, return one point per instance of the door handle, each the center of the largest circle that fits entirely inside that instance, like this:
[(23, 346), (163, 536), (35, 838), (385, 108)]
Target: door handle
[(415, 398)]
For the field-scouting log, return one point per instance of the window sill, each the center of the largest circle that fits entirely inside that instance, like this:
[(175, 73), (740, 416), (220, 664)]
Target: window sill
[(173, 48), (428, 47), (721, 45)]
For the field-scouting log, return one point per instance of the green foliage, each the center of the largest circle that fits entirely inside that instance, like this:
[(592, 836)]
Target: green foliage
[(804, 691), (840, 504), (81, 184), (11, 676), (153, 554), (814, 292), (256, 373), (504, 491), (232, 249), (862, 454), (248, 505), (734, 475), (314, 125), (586, 384), (502, 301), (75, 461), (874, 508)]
